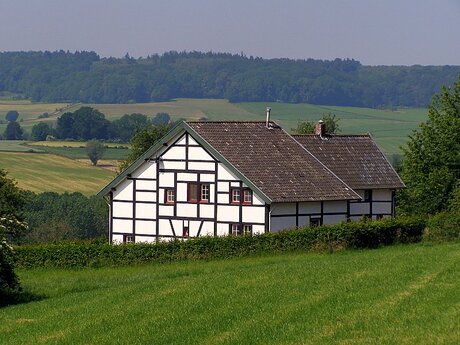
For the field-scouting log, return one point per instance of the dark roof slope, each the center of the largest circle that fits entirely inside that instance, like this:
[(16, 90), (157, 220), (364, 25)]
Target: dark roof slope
[(356, 159), (271, 159)]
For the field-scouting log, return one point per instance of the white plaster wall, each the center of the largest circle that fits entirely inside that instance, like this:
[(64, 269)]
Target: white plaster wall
[(146, 196), (146, 185), (224, 173), (182, 141), (199, 153), (147, 211), (257, 200), (228, 213), (334, 219), (145, 227), (187, 177), (253, 214), (258, 229), (281, 223), (122, 225), (181, 192), (381, 194), (172, 165), (223, 186), (381, 207), (192, 141), (166, 180), (283, 208), (200, 166), (359, 208), (223, 198), (174, 152), (166, 210), (122, 209), (207, 177), (206, 210), (146, 170), (234, 184), (186, 210), (144, 239), (117, 239), (334, 206), (222, 229), (164, 228), (124, 191), (207, 229)]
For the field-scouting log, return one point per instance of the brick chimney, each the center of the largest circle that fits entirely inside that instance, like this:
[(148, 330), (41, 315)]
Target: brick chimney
[(320, 128)]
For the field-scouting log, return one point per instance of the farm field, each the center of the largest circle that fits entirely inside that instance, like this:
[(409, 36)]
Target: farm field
[(390, 128), (41, 172), (394, 295)]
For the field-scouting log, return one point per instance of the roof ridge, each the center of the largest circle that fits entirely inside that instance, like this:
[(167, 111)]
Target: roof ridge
[(333, 135), (228, 121)]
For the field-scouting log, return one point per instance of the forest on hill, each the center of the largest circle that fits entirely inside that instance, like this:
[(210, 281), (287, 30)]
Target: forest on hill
[(86, 77)]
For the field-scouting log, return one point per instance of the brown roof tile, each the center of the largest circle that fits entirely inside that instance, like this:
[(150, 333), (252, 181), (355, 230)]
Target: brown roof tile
[(356, 159), (273, 161)]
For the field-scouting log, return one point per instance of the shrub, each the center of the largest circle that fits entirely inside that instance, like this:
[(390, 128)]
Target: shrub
[(443, 227), (364, 234)]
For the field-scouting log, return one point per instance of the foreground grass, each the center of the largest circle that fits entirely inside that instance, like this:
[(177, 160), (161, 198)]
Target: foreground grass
[(395, 295), (51, 173)]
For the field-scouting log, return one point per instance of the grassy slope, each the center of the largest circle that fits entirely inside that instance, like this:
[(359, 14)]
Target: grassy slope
[(46, 172), (396, 295)]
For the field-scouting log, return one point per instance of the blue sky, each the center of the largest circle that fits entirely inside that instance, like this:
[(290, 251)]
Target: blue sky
[(375, 32)]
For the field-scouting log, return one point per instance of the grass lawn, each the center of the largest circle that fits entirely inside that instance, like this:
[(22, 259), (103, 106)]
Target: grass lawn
[(51, 173), (395, 295)]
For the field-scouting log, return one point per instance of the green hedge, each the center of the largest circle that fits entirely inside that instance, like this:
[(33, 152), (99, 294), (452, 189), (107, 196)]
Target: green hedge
[(443, 227), (363, 234)]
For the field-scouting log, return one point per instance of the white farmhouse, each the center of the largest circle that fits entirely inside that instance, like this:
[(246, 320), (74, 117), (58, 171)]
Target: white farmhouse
[(234, 178)]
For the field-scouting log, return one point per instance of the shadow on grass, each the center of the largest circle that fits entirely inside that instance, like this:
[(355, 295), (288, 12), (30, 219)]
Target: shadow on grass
[(8, 298)]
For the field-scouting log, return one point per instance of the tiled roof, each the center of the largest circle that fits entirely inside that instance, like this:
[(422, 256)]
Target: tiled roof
[(273, 161), (356, 159)]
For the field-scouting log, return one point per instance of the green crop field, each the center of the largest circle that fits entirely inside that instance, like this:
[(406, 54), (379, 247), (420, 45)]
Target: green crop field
[(394, 295), (390, 128), (47, 172)]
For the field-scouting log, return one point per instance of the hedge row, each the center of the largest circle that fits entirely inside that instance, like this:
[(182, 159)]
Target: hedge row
[(363, 234)]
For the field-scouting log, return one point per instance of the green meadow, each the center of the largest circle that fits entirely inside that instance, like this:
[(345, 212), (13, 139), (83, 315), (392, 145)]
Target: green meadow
[(405, 294), (390, 128)]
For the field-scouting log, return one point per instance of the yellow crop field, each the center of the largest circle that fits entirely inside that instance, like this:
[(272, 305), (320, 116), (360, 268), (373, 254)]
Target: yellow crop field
[(52, 173)]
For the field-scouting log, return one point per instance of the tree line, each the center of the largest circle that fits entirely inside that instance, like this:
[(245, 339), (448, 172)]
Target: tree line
[(86, 77)]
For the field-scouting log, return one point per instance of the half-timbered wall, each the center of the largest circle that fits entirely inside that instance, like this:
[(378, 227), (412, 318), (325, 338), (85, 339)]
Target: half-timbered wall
[(292, 215), (139, 206), (378, 204), (141, 212)]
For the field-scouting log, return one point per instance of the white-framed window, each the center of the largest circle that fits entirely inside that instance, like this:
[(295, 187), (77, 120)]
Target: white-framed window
[(247, 196), (199, 192), (235, 229), (170, 196), (205, 193), (247, 229), (236, 196), (128, 239), (315, 221)]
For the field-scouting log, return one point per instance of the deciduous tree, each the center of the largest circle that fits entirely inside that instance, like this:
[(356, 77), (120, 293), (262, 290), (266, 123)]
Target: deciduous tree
[(95, 151), (431, 165)]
